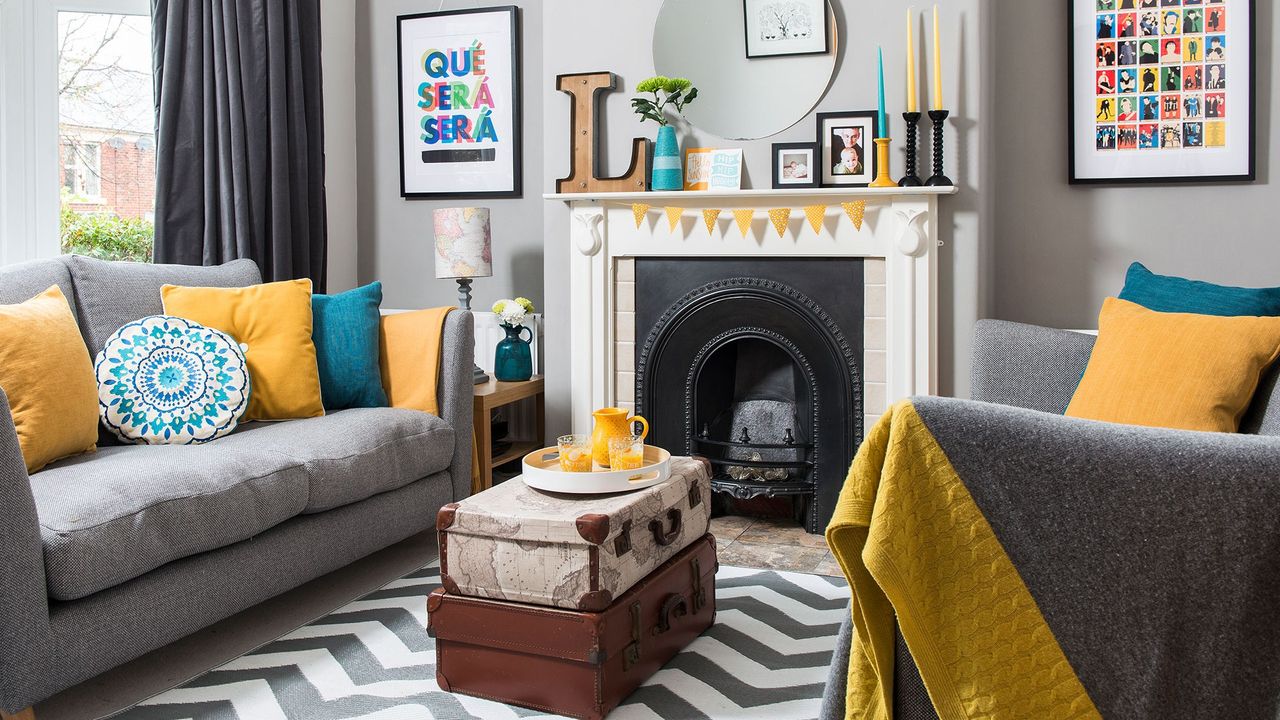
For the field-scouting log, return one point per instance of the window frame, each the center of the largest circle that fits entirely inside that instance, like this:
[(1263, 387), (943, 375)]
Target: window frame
[(30, 173)]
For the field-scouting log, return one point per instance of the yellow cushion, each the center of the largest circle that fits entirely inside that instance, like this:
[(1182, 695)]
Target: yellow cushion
[(274, 321), (410, 358), (46, 372), (1174, 370)]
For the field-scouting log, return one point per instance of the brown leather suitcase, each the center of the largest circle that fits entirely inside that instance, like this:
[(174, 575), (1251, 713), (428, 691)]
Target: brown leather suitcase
[(580, 664)]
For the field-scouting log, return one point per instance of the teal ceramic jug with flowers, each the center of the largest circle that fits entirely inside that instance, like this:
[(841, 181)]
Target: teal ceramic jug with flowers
[(512, 362), (668, 171)]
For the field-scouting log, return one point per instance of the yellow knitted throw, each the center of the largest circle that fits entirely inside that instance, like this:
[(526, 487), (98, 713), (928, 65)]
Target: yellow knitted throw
[(912, 542)]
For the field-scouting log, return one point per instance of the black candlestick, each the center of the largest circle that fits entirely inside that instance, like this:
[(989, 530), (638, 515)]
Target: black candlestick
[(911, 179), (938, 178)]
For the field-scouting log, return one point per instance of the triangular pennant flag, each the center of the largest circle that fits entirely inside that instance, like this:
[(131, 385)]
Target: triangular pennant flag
[(673, 217), (709, 217), (816, 214), (743, 219), (779, 218), (855, 211), (639, 209)]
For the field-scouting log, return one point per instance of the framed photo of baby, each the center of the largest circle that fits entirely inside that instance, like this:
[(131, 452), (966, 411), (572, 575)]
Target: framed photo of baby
[(845, 148), (1161, 91)]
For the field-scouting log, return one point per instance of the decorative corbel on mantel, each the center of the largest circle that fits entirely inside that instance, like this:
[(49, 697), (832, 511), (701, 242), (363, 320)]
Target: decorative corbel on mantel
[(590, 217), (901, 235)]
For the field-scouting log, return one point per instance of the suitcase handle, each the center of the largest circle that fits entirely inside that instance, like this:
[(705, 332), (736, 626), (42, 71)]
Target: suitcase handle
[(664, 539), (673, 605)]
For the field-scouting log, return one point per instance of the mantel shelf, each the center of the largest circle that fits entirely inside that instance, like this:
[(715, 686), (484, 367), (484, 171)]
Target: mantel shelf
[(698, 196)]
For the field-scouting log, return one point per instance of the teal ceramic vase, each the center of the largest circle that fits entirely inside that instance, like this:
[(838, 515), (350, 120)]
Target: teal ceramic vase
[(668, 171), (513, 361)]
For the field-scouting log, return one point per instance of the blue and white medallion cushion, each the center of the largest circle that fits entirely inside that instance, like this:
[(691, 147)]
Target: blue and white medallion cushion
[(164, 380)]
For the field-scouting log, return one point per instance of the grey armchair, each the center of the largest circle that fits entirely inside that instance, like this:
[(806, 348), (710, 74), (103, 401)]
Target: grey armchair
[(1034, 368)]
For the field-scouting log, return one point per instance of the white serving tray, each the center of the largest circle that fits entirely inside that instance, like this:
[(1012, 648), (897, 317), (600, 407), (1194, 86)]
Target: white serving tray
[(542, 471)]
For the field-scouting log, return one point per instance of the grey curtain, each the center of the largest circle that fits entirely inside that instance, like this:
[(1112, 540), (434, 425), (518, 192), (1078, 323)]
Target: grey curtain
[(240, 135)]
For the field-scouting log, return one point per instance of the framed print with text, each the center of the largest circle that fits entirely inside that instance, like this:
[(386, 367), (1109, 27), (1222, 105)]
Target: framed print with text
[(459, 103), (1161, 91)]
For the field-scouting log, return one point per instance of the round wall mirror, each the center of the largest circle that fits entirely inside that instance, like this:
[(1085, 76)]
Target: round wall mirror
[(760, 66)]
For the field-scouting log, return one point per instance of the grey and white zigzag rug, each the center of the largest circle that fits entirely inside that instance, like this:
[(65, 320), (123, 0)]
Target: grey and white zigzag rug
[(765, 658)]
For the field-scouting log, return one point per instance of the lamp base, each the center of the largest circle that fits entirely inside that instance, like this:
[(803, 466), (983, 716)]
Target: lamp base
[(478, 375)]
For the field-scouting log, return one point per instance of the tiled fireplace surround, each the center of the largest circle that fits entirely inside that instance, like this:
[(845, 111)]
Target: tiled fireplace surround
[(623, 291)]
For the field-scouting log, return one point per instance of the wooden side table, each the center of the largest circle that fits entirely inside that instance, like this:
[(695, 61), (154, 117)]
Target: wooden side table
[(494, 394)]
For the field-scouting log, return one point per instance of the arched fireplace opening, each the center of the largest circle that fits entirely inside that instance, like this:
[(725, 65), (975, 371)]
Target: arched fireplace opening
[(762, 379)]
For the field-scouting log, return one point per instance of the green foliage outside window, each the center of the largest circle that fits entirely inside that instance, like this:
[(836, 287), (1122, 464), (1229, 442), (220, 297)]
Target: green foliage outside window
[(106, 236)]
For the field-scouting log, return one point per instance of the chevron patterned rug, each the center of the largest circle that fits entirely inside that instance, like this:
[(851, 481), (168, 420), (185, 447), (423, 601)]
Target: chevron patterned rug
[(765, 658)]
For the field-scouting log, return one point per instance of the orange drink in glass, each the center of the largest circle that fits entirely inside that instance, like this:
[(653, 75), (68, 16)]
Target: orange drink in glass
[(626, 452), (575, 452)]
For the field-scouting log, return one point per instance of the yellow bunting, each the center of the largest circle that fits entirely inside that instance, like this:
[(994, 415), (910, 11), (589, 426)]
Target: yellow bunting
[(639, 210), (816, 214), (673, 217), (779, 217), (743, 219), (709, 217), (855, 210)]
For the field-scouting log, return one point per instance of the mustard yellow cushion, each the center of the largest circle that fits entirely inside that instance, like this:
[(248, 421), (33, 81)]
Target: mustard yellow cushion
[(274, 321), (1174, 370), (46, 372), (410, 358)]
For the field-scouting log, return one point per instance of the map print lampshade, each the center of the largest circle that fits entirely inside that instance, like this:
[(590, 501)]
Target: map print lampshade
[(463, 243)]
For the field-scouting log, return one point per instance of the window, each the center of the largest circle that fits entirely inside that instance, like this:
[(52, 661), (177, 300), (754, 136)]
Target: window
[(106, 132), (81, 171)]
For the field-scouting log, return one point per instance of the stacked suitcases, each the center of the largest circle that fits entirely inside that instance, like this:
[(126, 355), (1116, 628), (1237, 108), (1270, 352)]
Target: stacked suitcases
[(567, 603)]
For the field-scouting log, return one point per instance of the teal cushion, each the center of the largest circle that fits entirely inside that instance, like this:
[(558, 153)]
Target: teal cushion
[(345, 331), (1165, 293), (168, 381)]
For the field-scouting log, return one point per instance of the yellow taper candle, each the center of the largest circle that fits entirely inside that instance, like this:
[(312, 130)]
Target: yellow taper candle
[(911, 66), (937, 63)]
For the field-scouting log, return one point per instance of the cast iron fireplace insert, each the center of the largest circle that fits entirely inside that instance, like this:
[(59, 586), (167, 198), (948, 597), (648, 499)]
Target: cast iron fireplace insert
[(756, 365)]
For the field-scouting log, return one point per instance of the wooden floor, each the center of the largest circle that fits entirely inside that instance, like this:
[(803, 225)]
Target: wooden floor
[(772, 545)]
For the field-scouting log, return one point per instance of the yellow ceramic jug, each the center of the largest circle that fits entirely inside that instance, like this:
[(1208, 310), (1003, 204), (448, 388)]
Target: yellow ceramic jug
[(611, 422)]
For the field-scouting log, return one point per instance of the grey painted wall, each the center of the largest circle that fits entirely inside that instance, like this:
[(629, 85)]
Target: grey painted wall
[(395, 235), (590, 35), (338, 61), (1059, 250)]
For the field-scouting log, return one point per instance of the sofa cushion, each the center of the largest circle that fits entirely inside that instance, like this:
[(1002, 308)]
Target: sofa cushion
[(109, 294), (113, 515), (350, 455), (23, 281)]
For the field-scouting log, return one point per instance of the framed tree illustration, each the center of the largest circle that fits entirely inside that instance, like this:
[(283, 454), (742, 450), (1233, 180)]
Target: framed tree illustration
[(1161, 91), (459, 103)]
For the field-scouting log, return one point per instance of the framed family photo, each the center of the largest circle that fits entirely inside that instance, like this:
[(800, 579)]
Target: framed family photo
[(844, 142), (795, 165), (785, 27), (459, 103), (1161, 91)]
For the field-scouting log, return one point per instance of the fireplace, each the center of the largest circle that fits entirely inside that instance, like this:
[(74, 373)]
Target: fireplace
[(755, 364)]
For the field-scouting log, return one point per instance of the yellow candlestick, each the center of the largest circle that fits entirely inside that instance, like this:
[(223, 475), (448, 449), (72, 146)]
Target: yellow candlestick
[(937, 63), (911, 66), (882, 178)]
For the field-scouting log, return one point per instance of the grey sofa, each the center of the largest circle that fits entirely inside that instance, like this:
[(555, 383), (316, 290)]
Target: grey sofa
[(1034, 368), (108, 555)]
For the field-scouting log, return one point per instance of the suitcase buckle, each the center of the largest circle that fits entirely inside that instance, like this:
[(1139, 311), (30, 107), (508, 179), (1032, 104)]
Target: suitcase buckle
[(632, 654), (622, 543)]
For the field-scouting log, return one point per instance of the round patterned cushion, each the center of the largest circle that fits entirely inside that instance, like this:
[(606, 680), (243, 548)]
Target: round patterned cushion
[(164, 380)]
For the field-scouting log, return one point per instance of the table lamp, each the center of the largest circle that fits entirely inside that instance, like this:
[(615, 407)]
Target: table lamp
[(464, 251)]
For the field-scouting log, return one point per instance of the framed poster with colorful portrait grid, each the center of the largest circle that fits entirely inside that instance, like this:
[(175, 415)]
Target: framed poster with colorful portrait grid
[(1161, 90)]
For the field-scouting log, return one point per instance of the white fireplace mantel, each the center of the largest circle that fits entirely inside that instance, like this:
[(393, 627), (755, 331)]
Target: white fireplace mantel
[(899, 227)]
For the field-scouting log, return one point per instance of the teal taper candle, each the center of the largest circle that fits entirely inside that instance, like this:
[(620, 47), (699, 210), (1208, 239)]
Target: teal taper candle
[(883, 122)]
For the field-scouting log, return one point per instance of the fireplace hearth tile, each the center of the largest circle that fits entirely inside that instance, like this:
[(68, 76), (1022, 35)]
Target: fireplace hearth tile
[(728, 528), (828, 566), (771, 557), (875, 336), (780, 532)]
